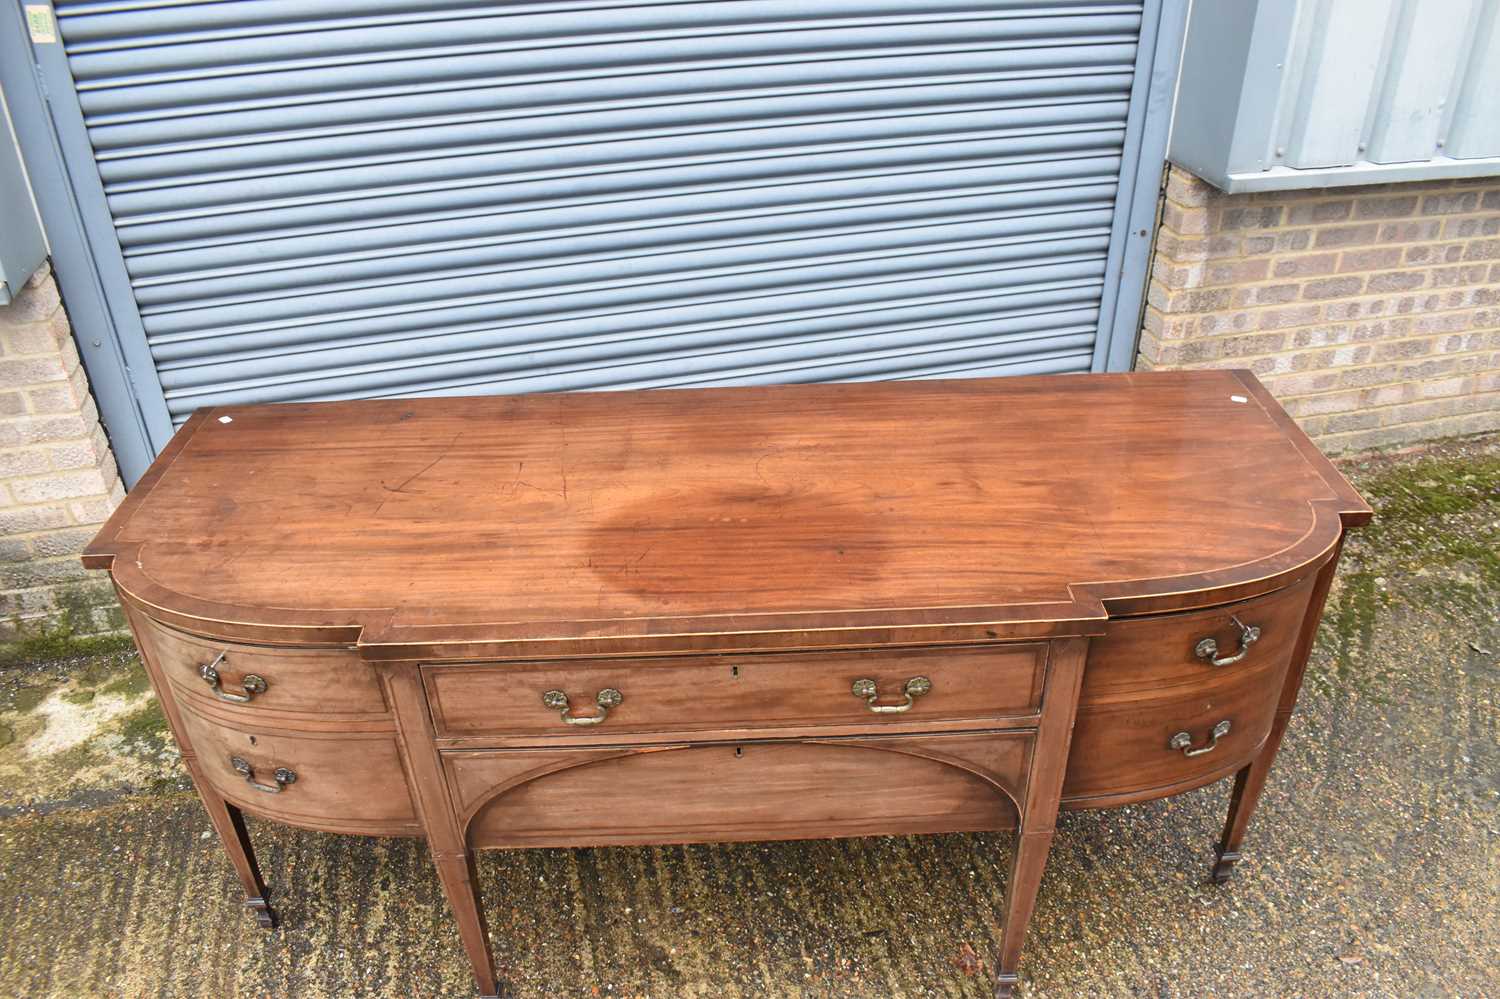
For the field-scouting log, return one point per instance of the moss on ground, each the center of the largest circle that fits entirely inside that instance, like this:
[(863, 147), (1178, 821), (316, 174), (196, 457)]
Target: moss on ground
[(1436, 511), (80, 728), (1434, 543), (72, 633), (58, 646), (24, 699), (129, 683), (147, 722)]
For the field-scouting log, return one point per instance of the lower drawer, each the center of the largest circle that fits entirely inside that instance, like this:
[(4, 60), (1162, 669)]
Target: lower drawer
[(1136, 749), (339, 782), (883, 785)]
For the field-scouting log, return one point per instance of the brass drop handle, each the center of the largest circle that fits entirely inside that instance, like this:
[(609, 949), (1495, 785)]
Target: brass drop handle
[(253, 684), (1184, 741), (1209, 649), (607, 698), (283, 776), (866, 690)]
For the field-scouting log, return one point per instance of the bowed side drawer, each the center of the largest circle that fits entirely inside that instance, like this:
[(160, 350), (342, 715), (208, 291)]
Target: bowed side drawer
[(252, 681), (330, 781), (1154, 655), (1158, 688)]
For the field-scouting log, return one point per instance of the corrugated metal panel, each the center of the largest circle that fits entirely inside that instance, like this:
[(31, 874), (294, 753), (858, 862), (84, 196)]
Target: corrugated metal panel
[(1328, 92), (347, 199), (22, 246), (1475, 127)]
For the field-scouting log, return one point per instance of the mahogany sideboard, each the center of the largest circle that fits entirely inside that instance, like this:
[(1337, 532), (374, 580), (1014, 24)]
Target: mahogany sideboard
[(730, 614)]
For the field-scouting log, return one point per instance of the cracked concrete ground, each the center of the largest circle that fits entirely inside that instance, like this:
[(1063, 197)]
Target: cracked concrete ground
[(1371, 868)]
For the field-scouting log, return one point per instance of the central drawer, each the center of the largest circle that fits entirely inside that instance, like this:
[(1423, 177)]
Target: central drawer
[(992, 684)]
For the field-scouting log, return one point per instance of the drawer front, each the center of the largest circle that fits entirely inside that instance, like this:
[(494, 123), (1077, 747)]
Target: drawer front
[(1130, 749), (1147, 657), (675, 696), (341, 782), (264, 679), (886, 785)]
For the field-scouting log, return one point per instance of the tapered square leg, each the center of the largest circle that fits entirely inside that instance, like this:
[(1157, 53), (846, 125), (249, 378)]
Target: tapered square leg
[(1248, 785), (451, 853), (1026, 869), (1039, 806), (461, 885), (1251, 781), (229, 823)]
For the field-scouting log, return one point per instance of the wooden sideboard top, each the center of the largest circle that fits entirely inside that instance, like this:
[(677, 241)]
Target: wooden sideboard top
[(774, 517)]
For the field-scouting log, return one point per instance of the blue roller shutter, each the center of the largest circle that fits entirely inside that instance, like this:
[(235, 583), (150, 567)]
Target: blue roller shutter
[(320, 200)]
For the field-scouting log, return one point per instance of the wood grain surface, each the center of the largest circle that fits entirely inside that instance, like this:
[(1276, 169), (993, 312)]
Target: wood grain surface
[(885, 785), (1120, 748), (317, 682), (1150, 657), (345, 782), (725, 519), (976, 687)]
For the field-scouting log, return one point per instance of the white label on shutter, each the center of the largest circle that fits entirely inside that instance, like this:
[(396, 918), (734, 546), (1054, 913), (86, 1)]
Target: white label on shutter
[(39, 20)]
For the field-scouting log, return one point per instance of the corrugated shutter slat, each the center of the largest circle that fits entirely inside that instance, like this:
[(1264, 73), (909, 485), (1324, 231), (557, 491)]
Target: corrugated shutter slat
[(344, 199)]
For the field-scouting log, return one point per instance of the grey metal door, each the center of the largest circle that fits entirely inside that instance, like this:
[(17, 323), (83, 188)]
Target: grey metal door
[(357, 198)]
